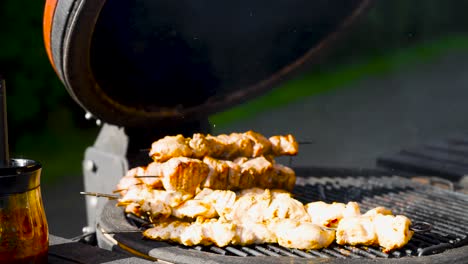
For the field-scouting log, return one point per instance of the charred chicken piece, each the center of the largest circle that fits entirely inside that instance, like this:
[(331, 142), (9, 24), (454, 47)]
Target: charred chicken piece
[(249, 144)]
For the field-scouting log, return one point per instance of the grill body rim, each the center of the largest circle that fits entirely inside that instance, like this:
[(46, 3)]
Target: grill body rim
[(113, 223)]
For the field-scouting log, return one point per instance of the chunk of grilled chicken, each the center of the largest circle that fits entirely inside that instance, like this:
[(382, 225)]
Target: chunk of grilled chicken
[(177, 174), (248, 144), (207, 204), (392, 231), (139, 199), (186, 174), (259, 205), (129, 180), (284, 145), (376, 227), (205, 232), (162, 204), (169, 147), (182, 174), (140, 193), (301, 235), (249, 206), (222, 200), (194, 208), (283, 206), (247, 173), (253, 233), (286, 232), (329, 215)]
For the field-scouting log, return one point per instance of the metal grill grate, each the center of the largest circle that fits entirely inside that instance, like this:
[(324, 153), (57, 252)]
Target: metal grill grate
[(445, 211)]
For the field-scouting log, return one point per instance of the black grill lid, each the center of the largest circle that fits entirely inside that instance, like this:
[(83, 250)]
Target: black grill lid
[(135, 63)]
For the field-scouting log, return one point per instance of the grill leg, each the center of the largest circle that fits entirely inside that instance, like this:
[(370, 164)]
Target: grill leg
[(103, 166)]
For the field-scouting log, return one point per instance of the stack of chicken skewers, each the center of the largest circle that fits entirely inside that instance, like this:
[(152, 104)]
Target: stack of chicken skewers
[(228, 190)]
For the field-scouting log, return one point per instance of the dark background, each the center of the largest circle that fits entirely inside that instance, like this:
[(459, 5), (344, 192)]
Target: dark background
[(46, 125)]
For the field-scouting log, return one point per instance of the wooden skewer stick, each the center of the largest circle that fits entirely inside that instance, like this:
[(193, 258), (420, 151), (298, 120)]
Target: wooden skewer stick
[(119, 190), (105, 195), (147, 176), (418, 227)]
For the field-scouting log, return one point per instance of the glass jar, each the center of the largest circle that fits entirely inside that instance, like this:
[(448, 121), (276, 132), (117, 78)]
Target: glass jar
[(24, 236)]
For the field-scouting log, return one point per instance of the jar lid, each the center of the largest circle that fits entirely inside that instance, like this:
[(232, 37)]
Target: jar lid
[(22, 175)]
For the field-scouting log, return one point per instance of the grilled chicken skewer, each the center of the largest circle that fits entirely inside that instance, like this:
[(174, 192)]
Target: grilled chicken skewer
[(262, 216), (162, 204), (186, 175), (286, 232), (228, 147), (253, 208)]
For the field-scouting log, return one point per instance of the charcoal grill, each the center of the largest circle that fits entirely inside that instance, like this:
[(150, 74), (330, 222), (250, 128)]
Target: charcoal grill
[(444, 210), (143, 70)]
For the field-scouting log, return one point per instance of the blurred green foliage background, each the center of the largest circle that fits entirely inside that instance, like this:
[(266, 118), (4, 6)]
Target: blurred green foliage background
[(46, 125)]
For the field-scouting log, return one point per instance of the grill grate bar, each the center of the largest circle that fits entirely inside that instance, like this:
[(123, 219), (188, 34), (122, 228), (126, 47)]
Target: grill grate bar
[(442, 202), (420, 243), (360, 252), (218, 250), (397, 254), (447, 194), (266, 251), (281, 251), (333, 253), (305, 254), (345, 252), (236, 251), (252, 251), (431, 238), (312, 253), (376, 252), (442, 197)]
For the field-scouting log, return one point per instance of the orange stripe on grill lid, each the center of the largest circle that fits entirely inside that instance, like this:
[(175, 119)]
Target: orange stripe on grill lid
[(47, 27)]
